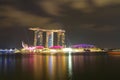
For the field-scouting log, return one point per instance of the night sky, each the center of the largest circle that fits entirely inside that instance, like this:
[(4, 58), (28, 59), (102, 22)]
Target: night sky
[(85, 21)]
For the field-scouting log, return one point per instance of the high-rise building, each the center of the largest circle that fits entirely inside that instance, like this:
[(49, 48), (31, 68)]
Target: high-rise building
[(48, 38)]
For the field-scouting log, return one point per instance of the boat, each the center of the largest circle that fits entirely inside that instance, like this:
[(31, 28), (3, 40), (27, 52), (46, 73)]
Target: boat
[(114, 52)]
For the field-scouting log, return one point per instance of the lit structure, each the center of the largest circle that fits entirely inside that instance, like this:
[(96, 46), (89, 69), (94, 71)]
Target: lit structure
[(86, 48), (47, 37), (83, 46)]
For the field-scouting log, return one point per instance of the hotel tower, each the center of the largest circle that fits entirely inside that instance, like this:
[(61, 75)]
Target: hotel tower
[(48, 38)]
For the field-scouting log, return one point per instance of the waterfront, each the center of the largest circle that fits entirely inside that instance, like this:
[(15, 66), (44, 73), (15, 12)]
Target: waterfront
[(59, 67)]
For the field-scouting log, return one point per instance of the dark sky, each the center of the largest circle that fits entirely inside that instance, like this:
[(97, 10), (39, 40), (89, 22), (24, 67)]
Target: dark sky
[(85, 21)]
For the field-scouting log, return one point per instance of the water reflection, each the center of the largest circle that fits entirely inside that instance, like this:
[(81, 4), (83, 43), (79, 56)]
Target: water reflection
[(7, 64), (50, 67), (58, 67)]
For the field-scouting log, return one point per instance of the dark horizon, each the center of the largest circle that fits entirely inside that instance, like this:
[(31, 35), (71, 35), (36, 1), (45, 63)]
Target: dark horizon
[(85, 21)]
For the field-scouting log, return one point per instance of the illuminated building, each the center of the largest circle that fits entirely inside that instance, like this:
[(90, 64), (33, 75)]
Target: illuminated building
[(47, 37), (86, 48), (83, 46)]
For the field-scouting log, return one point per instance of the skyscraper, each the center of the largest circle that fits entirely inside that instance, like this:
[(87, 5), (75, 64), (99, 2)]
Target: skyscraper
[(48, 39)]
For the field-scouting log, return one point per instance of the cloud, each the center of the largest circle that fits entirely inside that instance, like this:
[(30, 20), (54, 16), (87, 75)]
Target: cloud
[(51, 7), (41, 13), (106, 2), (100, 28), (16, 17)]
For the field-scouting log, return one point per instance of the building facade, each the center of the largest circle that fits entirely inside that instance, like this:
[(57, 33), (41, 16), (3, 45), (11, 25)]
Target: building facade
[(48, 38)]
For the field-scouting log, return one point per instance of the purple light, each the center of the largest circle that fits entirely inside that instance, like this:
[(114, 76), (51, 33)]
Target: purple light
[(31, 48), (56, 47), (39, 47), (83, 46)]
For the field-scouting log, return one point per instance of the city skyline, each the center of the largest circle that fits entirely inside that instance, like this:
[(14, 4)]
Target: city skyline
[(90, 21)]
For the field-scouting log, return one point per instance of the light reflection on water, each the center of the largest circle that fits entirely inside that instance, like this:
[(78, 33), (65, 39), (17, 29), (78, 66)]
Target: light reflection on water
[(58, 67)]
